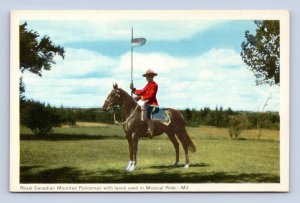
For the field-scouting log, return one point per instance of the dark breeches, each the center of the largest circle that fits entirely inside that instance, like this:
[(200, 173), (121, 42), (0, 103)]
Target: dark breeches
[(151, 110)]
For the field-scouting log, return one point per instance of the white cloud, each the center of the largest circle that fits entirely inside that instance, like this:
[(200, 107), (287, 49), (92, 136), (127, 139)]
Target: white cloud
[(215, 78), (159, 61), (80, 62), (80, 31)]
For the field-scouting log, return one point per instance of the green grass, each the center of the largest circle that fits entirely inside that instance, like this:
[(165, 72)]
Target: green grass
[(100, 155)]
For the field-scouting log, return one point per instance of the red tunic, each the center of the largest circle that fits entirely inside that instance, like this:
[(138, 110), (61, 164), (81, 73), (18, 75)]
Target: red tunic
[(149, 93)]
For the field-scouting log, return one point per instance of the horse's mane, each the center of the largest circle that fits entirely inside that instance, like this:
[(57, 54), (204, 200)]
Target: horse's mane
[(126, 94)]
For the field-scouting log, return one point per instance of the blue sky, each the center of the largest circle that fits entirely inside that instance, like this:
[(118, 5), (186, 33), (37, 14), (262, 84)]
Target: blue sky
[(226, 35), (198, 63)]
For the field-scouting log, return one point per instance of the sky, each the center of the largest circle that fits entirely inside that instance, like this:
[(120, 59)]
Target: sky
[(198, 63)]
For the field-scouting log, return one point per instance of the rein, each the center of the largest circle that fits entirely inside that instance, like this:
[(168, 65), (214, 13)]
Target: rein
[(129, 117), (126, 121)]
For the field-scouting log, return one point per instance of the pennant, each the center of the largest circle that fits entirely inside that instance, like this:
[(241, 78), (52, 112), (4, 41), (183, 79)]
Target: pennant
[(137, 42)]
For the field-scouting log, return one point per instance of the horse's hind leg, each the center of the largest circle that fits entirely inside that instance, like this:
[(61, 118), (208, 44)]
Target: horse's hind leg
[(186, 151), (176, 146)]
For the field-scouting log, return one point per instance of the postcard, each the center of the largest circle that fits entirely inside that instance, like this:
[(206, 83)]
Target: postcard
[(149, 101)]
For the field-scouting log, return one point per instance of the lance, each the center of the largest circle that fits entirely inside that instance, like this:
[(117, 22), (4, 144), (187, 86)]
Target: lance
[(135, 42), (131, 58)]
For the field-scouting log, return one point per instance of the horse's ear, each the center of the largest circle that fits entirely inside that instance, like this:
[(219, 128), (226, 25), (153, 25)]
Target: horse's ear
[(115, 86)]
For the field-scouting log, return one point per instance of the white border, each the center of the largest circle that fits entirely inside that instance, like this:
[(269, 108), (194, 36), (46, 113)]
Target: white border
[(281, 15)]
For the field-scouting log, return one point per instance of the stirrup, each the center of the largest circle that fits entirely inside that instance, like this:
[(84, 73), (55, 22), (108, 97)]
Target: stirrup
[(143, 115), (150, 130), (150, 133)]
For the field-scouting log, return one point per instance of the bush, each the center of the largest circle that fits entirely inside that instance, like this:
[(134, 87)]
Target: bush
[(38, 117), (237, 124)]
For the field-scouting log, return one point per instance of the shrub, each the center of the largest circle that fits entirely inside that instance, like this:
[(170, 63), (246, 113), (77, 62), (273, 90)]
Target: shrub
[(39, 118), (237, 124)]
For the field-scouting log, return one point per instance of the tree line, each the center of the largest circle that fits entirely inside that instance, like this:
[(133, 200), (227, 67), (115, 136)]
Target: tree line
[(41, 117), (222, 118)]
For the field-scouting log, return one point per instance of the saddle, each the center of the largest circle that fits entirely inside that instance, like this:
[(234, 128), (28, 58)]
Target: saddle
[(160, 114)]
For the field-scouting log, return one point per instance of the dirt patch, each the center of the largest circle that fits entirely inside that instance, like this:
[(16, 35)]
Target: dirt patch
[(91, 124), (65, 126)]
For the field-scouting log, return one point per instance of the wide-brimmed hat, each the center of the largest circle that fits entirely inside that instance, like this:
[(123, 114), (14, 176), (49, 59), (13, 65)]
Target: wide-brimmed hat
[(149, 72)]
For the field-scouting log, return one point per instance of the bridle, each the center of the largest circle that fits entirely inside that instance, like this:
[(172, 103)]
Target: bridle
[(111, 103), (129, 117)]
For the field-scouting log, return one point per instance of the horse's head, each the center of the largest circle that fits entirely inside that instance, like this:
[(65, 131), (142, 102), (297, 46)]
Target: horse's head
[(113, 99)]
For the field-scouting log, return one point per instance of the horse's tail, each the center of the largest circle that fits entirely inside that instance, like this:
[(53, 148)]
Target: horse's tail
[(181, 131), (188, 140)]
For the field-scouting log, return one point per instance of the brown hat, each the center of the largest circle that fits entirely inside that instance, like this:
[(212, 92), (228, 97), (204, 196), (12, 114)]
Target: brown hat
[(149, 72)]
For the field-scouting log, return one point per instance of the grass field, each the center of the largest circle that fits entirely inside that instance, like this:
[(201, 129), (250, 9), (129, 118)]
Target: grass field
[(91, 153)]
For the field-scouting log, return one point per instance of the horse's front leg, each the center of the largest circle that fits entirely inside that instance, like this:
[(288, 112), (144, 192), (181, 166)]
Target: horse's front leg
[(130, 162), (134, 148)]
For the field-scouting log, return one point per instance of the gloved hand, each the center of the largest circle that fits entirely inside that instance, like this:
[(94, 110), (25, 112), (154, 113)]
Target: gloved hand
[(131, 86), (137, 98)]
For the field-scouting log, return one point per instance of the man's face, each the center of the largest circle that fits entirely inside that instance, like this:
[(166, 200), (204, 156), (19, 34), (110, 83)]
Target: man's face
[(149, 78)]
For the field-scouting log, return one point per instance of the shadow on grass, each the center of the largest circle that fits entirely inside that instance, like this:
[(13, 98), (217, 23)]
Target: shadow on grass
[(27, 169), (181, 165), (61, 136), (58, 175), (73, 175)]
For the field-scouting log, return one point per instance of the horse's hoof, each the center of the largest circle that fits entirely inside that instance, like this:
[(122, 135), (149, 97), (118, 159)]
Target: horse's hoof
[(131, 168), (187, 166), (176, 164), (128, 166)]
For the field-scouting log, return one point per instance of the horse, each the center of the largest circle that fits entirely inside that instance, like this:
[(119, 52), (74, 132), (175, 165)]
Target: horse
[(135, 128)]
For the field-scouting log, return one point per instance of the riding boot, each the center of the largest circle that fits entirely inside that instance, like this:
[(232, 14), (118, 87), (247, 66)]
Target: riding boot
[(150, 128)]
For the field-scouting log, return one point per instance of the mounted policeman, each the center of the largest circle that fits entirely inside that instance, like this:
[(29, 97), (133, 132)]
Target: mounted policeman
[(146, 98), (159, 121)]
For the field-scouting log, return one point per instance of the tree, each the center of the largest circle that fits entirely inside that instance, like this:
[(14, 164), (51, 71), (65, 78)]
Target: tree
[(259, 116), (36, 54), (21, 89), (261, 52), (188, 114), (237, 124)]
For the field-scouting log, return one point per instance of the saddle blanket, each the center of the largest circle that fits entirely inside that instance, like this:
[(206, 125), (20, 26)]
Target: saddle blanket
[(160, 114)]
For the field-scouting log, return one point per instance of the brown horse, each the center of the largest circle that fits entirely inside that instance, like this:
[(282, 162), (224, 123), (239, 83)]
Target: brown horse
[(135, 128)]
